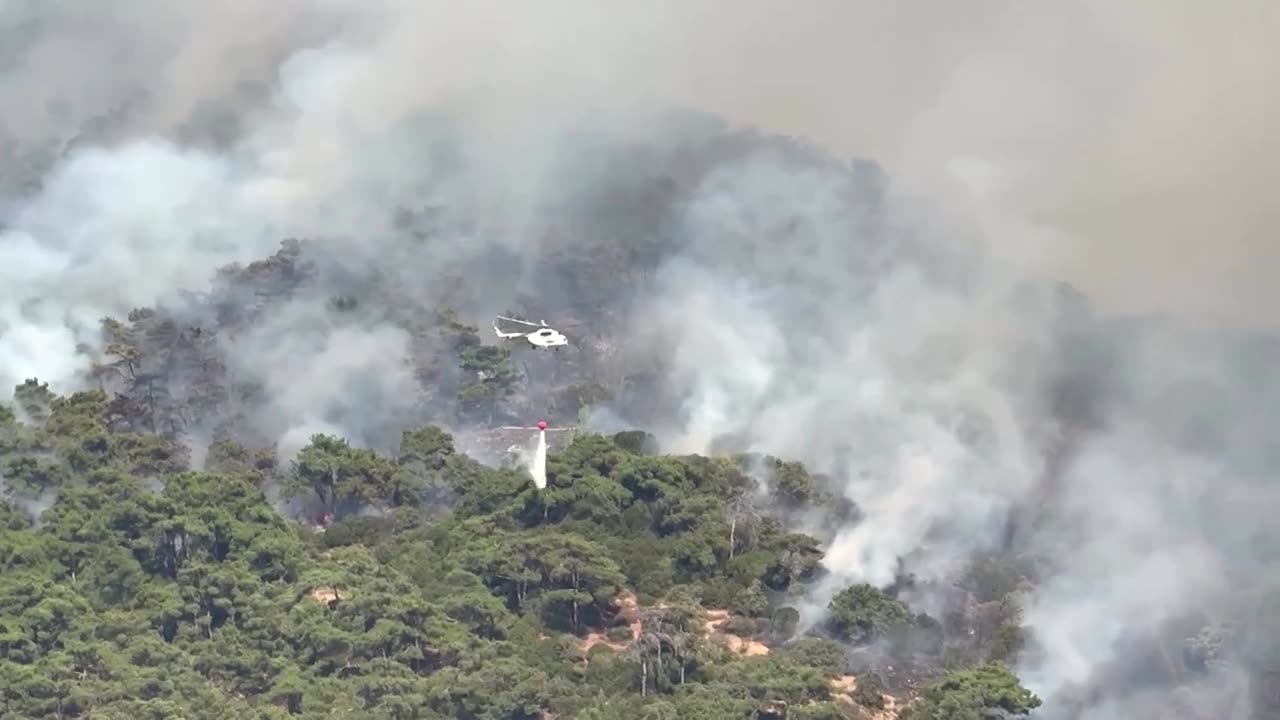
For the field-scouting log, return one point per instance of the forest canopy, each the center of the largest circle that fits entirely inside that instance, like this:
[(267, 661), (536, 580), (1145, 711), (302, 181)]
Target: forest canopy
[(634, 586)]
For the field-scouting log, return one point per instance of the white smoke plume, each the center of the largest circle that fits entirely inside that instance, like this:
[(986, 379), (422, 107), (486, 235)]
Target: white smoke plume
[(915, 355), (111, 231)]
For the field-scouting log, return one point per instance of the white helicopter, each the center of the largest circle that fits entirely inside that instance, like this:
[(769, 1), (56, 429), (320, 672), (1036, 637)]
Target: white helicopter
[(544, 337)]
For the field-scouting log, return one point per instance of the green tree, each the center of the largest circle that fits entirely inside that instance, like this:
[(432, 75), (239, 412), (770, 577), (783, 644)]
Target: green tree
[(869, 691), (34, 399), (862, 613), (974, 694), (339, 476)]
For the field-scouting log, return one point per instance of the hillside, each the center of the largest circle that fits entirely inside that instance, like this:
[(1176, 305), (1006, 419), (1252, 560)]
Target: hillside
[(278, 486), (443, 588), (829, 445)]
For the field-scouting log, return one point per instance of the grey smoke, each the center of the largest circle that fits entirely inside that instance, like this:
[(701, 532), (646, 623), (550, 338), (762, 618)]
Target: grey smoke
[(108, 232), (812, 311), (347, 380)]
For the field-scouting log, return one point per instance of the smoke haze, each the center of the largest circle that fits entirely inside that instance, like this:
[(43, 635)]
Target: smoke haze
[(901, 330)]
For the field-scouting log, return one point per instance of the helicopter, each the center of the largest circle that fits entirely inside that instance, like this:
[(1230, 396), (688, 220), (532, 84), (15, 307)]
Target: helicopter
[(538, 463), (544, 337)]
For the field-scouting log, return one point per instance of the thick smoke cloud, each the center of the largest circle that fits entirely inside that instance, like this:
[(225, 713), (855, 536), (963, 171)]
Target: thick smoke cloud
[(923, 358), (1122, 136), (108, 232)]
